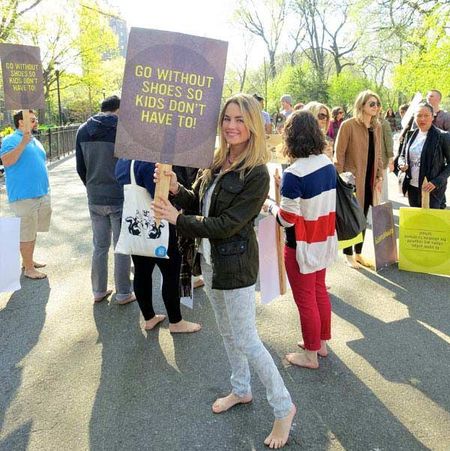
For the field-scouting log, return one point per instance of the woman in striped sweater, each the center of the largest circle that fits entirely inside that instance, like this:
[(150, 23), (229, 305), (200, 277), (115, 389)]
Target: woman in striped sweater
[(307, 211)]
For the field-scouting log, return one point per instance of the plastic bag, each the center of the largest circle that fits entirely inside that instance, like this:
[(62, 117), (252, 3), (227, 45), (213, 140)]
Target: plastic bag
[(350, 219)]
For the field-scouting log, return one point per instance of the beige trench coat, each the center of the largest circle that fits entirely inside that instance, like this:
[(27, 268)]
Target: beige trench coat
[(351, 153)]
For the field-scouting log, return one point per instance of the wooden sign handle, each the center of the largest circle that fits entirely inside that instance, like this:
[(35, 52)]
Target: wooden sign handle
[(425, 196), (376, 198), (26, 120), (280, 240), (162, 187)]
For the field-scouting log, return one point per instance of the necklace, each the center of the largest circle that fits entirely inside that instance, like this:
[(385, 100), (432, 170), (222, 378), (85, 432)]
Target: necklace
[(230, 162)]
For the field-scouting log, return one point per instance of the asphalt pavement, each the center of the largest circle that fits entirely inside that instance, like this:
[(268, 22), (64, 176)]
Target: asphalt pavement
[(78, 376)]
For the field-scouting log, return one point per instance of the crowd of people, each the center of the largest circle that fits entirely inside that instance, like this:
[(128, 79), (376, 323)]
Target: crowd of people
[(211, 215)]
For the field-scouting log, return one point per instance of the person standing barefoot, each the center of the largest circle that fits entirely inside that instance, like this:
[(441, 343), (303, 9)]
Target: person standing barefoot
[(142, 173), (231, 193), (307, 211)]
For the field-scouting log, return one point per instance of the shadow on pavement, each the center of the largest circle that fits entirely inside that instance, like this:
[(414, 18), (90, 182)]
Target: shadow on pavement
[(156, 389), (425, 295), (402, 351), (17, 440), (24, 312), (323, 411)]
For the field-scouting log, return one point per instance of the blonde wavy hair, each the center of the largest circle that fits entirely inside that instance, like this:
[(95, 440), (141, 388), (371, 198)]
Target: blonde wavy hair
[(256, 152), (314, 108), (360, 101)]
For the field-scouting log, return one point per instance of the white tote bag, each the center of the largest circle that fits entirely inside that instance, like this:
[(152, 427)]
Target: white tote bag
[(139, 234), (9, 254)]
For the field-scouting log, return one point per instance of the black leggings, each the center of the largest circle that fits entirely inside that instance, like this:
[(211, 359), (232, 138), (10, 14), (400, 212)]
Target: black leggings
[(170, 270), (358, 247), (414, 196)]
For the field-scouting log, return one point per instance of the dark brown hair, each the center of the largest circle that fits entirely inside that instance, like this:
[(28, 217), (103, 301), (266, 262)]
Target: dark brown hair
[(403, 107), (302, 135), (335, 111), (18, 116)]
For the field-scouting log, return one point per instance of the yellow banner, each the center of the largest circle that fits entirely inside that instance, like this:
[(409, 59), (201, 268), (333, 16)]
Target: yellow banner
[(424, 240), (347, 243), (274, 143)]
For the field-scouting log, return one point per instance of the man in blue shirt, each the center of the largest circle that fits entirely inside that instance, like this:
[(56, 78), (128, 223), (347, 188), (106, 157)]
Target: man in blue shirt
[(265, 115), (286, 105), (28, 188)]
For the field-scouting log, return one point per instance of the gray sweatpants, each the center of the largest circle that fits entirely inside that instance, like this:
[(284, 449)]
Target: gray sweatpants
[(236, 319)]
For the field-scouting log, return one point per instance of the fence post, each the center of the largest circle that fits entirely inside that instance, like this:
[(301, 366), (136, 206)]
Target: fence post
[(49, 132), (58, 134)]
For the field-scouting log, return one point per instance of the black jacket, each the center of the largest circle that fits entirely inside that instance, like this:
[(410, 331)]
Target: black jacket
[(95, 159), (235, 203), (434, 164)]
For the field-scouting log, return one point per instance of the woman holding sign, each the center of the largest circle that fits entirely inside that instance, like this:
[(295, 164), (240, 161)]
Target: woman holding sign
[(426, 155), (230, 195)]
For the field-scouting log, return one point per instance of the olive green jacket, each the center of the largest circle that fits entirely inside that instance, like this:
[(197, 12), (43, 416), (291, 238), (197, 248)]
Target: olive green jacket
[(235, 203), (387, 143)]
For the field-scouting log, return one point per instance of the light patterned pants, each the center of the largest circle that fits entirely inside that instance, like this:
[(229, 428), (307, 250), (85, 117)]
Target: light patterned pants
[(236, 319)]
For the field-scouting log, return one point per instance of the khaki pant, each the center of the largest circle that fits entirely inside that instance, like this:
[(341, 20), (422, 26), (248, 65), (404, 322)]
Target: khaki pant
[(34, 216)]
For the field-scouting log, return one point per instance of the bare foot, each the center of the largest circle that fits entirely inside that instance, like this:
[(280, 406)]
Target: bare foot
[(364, 261), (37, 265), (34, 274), (305, 359), (350, 260), (224, 404), (184, 327), (323, 351), (102, 298), (130, 298), (151, 323), (280, 431)]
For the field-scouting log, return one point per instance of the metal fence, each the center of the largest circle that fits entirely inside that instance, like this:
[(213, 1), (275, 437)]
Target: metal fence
[(58, 141)]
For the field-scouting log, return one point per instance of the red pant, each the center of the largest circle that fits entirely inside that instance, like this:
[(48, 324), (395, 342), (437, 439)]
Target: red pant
[(313, 302)]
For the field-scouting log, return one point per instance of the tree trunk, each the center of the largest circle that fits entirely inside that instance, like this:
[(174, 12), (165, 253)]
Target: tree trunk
[(272, 67)]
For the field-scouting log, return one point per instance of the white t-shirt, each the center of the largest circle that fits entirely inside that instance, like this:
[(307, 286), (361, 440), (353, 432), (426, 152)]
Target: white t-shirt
[(205, 245), (266, 117), (415, 151)]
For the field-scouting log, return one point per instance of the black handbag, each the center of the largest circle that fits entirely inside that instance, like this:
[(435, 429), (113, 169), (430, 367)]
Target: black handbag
[(350, 219)]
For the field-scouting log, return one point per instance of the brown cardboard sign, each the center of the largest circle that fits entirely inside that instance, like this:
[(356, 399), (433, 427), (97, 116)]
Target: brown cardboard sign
[(171, 97), (22, 77), (385, 242)]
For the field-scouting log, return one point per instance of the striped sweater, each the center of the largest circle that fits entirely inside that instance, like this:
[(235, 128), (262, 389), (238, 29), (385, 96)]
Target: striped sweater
[(308, 203)]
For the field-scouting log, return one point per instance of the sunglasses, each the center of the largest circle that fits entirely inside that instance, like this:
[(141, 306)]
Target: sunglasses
[(372, 104), (322, 116)]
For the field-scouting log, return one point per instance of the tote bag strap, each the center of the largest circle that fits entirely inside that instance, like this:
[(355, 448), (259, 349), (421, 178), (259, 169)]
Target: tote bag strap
[(132, 177)]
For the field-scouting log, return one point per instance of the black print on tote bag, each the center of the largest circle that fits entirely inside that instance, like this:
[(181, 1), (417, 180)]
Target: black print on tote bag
[(144, 223)]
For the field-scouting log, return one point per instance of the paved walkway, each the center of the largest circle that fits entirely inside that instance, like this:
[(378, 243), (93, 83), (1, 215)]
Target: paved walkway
[(74, 376)]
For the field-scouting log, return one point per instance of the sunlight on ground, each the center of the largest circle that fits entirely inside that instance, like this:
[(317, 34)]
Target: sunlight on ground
[(425, 420)]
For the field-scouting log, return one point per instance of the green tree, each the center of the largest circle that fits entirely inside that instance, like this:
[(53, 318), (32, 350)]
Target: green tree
[(428, 65), (95, 41), (264, 20), (299, 81), (55, 38), (344, 88), (10, 12), (424, 70)]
